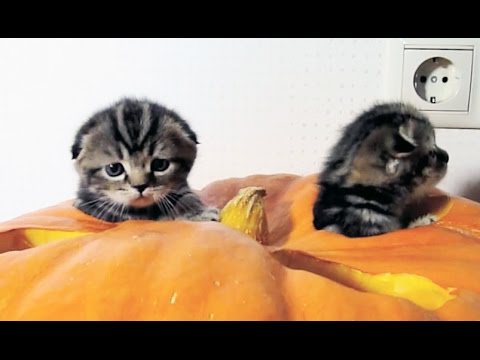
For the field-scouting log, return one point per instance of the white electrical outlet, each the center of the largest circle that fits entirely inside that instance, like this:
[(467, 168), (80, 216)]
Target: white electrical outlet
[(438, 77), (437, 80)]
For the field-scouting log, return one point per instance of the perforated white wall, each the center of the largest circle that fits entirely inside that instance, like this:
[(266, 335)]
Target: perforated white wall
[(258, 105)]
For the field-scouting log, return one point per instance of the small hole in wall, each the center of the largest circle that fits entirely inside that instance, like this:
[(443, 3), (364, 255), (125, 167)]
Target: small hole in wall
[(445, 79)]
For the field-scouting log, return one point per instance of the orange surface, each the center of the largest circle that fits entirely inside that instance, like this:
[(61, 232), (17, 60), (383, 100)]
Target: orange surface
[(208, 271)]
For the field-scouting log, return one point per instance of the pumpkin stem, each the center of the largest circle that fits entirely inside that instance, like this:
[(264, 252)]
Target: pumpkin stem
[(245, 212)]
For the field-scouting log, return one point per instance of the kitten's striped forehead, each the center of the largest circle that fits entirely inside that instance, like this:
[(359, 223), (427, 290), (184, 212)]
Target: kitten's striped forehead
[(134, 124), (132, 128)]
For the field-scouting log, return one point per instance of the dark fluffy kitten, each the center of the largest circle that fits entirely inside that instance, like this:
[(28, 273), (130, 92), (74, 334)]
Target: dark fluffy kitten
[(133, 159), (384, 159)]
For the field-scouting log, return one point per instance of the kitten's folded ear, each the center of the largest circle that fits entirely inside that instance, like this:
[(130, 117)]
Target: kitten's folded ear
[(76, 148), (404, 142)]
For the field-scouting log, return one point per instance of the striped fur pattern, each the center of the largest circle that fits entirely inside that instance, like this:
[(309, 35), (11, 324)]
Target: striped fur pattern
[(384, 160), (133, 159)]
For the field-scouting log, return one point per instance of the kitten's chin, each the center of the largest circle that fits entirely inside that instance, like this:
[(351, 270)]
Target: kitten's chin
[(142, 202)]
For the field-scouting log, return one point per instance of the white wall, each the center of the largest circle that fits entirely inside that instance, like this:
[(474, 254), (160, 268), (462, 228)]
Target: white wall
[(257, 105)]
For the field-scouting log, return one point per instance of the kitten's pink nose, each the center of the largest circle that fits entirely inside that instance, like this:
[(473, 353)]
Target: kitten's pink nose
[(140, 188)]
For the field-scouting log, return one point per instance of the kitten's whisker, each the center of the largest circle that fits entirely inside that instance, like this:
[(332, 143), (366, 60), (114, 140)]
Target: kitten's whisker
[(102, 208), (106, 210), (114, 212), (163, 208), (122, 211), (159, 204), (97, 212), (178, 206), (172, 212), (169, 201), (94, 201), (185, 206)]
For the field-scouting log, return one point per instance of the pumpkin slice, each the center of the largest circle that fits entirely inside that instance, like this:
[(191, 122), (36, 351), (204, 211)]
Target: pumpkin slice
[(418, 289)]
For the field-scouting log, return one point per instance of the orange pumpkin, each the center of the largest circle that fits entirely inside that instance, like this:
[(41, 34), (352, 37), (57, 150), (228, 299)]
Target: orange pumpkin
[(200, 271)]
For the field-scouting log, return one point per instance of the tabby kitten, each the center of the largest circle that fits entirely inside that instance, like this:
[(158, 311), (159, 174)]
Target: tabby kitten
[(385, 159), (133, 159)]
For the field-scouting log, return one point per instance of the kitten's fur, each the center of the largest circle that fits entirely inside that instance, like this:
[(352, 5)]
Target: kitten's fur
[(384, 159), (126, 138)]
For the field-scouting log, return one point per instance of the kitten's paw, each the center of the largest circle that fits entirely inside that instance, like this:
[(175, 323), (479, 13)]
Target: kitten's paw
[(209, 214), (333, 228), (423, 221)]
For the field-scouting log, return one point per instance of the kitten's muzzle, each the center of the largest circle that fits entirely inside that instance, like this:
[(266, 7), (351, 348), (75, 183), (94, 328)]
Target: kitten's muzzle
[(442, 155), (439, 156), (140, 188)]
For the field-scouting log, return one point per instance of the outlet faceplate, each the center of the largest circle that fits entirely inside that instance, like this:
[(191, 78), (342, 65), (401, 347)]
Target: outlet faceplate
[(438, 77), (437, 80)]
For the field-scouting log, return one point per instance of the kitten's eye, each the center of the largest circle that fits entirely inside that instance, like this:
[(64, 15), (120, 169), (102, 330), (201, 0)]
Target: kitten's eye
[(115, 169), (159, 165)]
